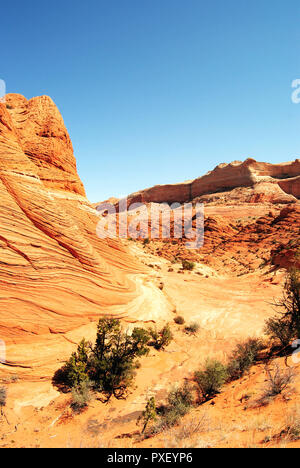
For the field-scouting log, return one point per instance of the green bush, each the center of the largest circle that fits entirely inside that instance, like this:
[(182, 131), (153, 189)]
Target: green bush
[(76, 368), (181, 397), (179, 403), (110, 364), (192, 328), (81, 396), (161, 338), (186, 265), (211, 379), (243, 357), (179, 320)]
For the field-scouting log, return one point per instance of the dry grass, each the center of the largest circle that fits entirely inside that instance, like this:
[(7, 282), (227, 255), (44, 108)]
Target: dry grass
[(278, 380), (186, 435)]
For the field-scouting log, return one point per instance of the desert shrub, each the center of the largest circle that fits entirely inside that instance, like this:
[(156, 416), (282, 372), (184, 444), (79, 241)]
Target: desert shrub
[(162, 338), (81, 395), (114, 355), (75, 370), (279, 328), (292, 427), (186, 265), (181, 396), (211, 379), (110, 364), (195, 426), (3, 398), (14, 378), (278, 380), (149, 414), (285, 325), (146, 241), (179, 320), (192, 328), (243, 357), (179, 403)]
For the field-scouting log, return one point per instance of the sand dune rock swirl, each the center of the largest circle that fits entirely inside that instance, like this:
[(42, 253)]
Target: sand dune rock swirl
[(55, 274)]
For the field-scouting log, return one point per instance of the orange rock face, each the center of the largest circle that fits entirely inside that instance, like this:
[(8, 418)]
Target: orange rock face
[(55, 274), (279, 182)]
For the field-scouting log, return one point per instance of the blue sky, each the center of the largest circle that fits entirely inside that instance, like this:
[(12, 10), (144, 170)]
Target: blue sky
[(159, 91)]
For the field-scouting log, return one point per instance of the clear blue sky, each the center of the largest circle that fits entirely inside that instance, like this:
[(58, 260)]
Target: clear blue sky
[(159, 91)]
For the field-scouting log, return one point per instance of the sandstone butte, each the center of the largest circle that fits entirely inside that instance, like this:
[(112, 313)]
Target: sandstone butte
[(249, 181), (55, 274)]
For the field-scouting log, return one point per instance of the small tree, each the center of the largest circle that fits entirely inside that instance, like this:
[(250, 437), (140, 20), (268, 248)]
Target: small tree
[(149, 414), (76, 369), (211, 379), (285, 325), (110, 364), (114, 357)]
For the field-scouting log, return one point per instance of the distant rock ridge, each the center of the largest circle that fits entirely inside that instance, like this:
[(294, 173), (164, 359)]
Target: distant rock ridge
[(279, 182)]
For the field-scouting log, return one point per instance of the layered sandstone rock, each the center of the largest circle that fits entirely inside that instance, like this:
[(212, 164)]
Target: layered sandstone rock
[(55, 274), (280, 182)]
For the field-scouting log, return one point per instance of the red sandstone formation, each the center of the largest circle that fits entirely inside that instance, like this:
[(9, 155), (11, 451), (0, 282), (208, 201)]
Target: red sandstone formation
[(276, 183), (55, 274)]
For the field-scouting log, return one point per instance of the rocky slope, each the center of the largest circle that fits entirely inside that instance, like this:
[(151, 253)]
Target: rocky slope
[(57, 278), (55, 274), (248, 181)]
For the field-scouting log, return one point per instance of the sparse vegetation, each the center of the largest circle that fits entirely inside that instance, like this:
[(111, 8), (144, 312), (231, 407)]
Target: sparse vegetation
[(285, 325), (3, 398), (179, 320), (279, 328), (162, 338), (278, 380), (180, 401), (292, 428), (110, 364), (75, 371), (149, 414), (81, 396), (186, 265), (211, 379), (193, 427), (243, 357), (192, 328)]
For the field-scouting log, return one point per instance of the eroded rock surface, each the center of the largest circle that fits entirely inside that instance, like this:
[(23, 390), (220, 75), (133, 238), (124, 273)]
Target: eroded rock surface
[(255, 181), (55, 274)]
